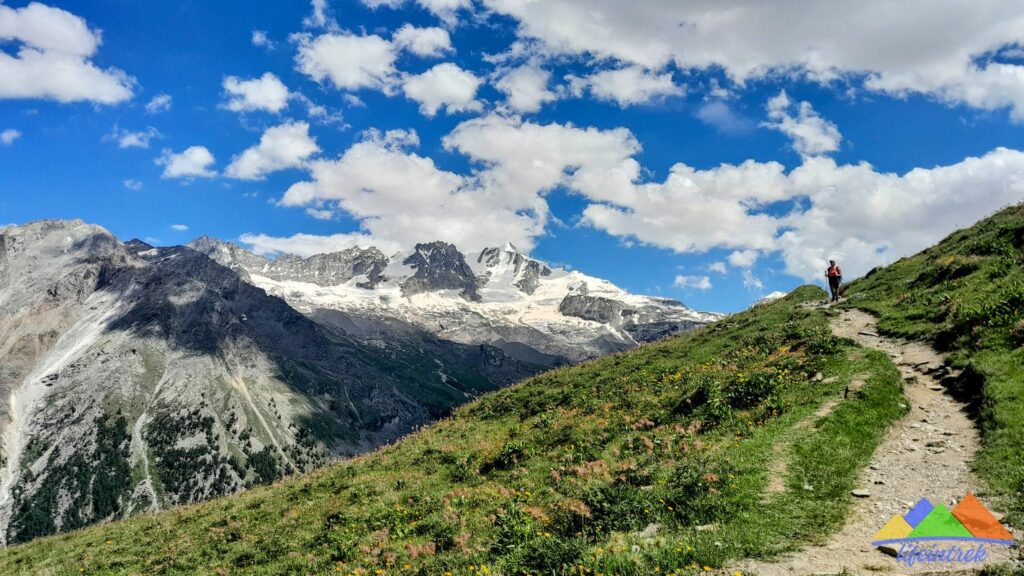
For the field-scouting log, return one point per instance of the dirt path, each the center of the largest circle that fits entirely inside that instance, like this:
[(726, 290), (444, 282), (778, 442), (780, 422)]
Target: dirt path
[(926, 454)]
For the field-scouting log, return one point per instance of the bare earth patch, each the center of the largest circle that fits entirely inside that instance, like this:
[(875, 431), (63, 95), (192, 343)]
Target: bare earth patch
[(927, 454)]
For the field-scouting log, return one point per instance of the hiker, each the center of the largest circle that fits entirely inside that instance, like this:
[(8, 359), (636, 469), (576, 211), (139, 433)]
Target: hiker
[(835, 279)]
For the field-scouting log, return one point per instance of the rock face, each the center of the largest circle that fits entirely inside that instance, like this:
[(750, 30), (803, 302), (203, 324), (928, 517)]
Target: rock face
[(498, 297), (439, 266), (526, 271), (321, 269), (143, 377), (645, 322)]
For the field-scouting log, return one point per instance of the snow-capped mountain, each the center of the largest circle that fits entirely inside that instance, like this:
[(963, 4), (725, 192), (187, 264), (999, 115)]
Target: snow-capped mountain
[(497, 296)]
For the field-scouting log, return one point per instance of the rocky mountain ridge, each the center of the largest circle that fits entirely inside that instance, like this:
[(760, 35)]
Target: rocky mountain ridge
[(498, 296)]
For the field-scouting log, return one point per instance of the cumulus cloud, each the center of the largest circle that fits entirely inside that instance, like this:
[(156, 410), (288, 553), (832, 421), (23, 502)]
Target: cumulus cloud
[(444, 86), (446, 10), (286, 146), (261, 40), (265, 93), (400, 196), (179, 227), (132, 139), (627, 86), (524, 159), (692, 210), (718, 267), (53, 58), (811, 134), (426, 42), (193, 162), (695, 282), (863, 217), (395, 193), (8, 136), (159, 103), (743, 258), (307, 245), (526, 88), (348, 61), (133, 185), (864, 42)]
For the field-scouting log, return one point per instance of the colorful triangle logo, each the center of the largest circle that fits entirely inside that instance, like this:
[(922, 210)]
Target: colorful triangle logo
[(969, 520)]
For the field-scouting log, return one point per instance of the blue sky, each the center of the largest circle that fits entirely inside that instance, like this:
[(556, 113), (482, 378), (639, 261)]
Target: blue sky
[(591, 133)]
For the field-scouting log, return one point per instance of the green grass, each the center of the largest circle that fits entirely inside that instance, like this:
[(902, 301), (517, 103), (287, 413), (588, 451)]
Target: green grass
[(966, 295), (606, 467)]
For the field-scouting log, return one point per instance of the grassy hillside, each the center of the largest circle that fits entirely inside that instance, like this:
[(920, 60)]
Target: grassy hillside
[(966, 295), (656, 459)]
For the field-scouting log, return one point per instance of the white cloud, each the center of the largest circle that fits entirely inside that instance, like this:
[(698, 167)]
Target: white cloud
[(752, 282), (133, 185), (446, 10), (627, 86), (721, 116), (524, 159), (695, 282), (812, 135), (159, 103), (692, 210), (130, 139), (179, 227), (350, 62), (934, 48), (718, 267), (374, 4), (265, 93), (354, 101), (286, 146), (320, 213), (260, 39), (307, 245), (444, 86), (53, 58), (320, 17), (526, 88), (743, 258), (400, 196), (193, 162), (425, 42), (863, 217), (8, 136)]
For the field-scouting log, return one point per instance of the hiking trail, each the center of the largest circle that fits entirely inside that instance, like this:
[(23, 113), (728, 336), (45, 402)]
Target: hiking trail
[(925, 454)]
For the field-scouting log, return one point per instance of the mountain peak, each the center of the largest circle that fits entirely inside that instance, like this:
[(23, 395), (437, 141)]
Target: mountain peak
[(439, 266)]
